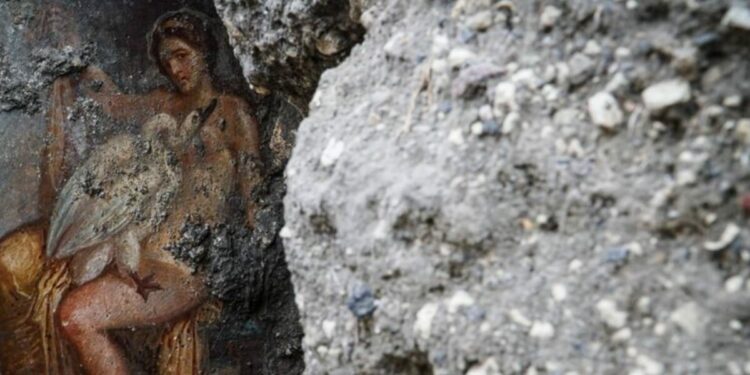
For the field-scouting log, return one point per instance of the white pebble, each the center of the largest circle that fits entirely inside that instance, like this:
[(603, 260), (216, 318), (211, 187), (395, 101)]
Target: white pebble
[(477, 128), (480, 21), (742, 130), (458, 300), (644, 304), (605, 111), (575, 265), (690, 317), (488, 367), (622, 52), (510, 122), (650, 366), (440, 45), (423, 322), (738, 16), (734, 284), (397, 45), (551, 93), (733, 101), (485, 113), (542, 330), (286, 232), (735, 325), (505, 95), (367, 19), (622, 335), (526, 78), (660, 329), (549, 16), (631, 352), (592, 48), (559, 292), (460, 56), (332, 152), (666, 94), (575, 148), (609, 313), (517, 317), (686, 177), (456, 137), (329, 328), (727, 237)]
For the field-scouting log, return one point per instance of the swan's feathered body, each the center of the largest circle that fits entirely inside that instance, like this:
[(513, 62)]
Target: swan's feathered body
[(119, 195)]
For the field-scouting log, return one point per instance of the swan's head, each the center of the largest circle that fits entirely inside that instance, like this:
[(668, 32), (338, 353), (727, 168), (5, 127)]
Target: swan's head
[(165, 128), (190, 125), (159, 126)]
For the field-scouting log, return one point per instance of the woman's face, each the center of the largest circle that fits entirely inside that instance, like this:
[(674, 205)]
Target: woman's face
[(184, 64)]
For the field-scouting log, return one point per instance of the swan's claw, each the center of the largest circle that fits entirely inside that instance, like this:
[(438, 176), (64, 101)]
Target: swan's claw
[(144, 286)]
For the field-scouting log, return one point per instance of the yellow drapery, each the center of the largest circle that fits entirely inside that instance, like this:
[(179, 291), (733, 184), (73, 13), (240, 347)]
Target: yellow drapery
[(30, 292)]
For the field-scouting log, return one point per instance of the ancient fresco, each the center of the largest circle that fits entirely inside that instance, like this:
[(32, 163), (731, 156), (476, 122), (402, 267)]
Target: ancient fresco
[(134, 246)]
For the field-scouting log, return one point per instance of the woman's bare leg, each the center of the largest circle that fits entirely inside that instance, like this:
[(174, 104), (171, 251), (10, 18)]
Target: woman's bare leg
[(111, 302)]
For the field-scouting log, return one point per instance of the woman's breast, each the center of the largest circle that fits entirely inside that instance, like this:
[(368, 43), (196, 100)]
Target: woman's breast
[(207, 183), (205, 145), (208, 180)]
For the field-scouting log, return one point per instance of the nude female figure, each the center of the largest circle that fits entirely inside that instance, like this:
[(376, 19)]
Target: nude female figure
[(218, 165)]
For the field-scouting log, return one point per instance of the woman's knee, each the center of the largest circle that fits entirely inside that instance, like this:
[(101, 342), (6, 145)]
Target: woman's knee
[(75, 316)]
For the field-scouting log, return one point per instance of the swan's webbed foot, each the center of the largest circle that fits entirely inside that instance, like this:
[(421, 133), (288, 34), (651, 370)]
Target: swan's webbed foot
[(144, 286)]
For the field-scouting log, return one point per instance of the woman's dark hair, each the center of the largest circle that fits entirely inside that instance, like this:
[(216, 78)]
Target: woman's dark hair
[(192, 27)]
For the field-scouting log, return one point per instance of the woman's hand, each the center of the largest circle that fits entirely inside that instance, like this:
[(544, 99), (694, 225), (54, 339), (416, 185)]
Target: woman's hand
[(95, 84), (94, 80), (95, 73)]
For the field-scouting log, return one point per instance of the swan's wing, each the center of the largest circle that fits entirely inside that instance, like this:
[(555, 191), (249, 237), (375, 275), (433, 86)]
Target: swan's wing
[(91, 207), (81, 192), (129, 186), (87, 265), (69, 200), (106, 219)]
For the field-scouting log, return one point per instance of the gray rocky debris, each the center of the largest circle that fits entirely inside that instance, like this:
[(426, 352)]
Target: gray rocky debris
[(464, 239), (282, 44), (473, 77), (581, 68), (690, 317)]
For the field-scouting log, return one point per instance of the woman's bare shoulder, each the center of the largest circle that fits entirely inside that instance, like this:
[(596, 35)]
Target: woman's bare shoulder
[(236, 104)]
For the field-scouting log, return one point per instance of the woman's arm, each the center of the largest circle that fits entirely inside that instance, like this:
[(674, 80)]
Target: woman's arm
[(100, 87), (210, 181), (245, 145), (54, 166)]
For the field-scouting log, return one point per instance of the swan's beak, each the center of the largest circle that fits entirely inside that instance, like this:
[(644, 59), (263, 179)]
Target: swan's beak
[(191, 121)]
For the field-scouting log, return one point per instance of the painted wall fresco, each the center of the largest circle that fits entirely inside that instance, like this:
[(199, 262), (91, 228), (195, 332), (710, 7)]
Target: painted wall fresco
[(134, 192)]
